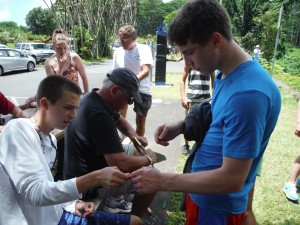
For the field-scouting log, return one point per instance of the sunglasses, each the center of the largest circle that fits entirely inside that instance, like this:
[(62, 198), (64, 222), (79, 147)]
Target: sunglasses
[(130, 99)]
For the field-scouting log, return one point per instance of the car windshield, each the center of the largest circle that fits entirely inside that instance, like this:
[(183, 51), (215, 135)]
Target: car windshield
[(49, 46), (116, 44), (39, 46)]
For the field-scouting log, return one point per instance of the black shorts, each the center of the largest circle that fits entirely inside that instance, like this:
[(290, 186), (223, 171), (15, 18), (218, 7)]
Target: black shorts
[(143, 108)]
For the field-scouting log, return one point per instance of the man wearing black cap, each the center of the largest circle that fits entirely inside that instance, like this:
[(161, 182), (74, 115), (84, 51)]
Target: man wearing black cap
[(92, 141)]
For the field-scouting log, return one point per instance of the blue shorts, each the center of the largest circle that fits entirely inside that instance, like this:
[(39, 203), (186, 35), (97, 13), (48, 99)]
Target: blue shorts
[(99, 218)]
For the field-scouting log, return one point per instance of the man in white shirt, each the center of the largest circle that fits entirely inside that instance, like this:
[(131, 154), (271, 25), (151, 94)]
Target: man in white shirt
[(257, 52), (138, 58)]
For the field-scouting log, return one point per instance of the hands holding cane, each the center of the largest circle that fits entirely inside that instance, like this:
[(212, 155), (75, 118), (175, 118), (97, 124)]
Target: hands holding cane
[(142, 151)]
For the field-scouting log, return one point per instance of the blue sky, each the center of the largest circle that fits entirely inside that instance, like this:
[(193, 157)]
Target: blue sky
[(16, 10)]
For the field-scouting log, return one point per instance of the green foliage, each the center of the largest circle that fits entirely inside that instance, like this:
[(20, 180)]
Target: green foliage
[(270, 22), (84, 44), (40, 21), (286, 69), (168, 18), (8, 25), (254, 22), (152, 13), (150, 16), (37, 38), (264, 31), (291, 21), (291, 61), (176, 217), (169, 91), (11, 33)]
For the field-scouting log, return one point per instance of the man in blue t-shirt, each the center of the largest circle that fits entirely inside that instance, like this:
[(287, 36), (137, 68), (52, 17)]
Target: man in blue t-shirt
[(245, 107)]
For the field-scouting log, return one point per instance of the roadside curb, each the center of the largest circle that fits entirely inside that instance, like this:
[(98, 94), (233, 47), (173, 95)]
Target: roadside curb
[(287, 88)]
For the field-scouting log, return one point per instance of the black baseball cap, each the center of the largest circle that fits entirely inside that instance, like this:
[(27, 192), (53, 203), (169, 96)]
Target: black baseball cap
[(127, 80)]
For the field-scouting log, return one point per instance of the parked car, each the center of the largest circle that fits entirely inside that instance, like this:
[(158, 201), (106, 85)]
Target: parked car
[(3, 46), (39, 51), (71, 47), (115, 45), (49, 46), (11, 59)]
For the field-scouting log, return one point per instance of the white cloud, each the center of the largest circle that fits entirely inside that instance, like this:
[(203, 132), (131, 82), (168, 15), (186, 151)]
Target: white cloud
[(4, 15)]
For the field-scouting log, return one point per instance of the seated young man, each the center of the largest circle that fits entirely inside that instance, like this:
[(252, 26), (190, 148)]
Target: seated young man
[(29, 195)]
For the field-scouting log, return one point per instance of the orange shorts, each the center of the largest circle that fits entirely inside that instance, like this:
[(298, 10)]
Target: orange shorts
[(196, 215)]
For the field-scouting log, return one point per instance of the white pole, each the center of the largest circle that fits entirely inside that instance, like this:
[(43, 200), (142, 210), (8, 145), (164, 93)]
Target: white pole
[(277, 38)]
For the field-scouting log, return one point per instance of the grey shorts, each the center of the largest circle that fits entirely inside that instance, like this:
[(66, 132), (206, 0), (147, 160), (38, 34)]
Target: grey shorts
[(143, 108)]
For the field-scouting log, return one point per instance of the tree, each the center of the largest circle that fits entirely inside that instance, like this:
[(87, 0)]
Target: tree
[(149, 16), (8, 25), (292, 22), (40, 21)]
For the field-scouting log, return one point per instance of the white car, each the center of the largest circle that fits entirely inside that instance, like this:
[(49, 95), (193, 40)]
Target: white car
[(3, 46), (39, 51), (11, 59)]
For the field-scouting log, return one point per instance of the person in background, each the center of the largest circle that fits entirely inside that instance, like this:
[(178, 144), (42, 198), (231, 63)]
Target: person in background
[(245, 107), (92, 141), (198, 90), (138, 58), (63, 62), (7, 107), (257, 52), (66, 63), (28, 164), (290, 188)]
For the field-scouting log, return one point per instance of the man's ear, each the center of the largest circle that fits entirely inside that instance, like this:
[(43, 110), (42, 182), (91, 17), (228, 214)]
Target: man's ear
[(44, 103), (114, 89), (217, 39)]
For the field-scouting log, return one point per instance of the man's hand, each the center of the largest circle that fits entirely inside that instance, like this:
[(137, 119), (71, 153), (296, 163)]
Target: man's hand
[(111, 177), (152, 155), (142, 140), (184, 103), (146, 180), (168, 132)]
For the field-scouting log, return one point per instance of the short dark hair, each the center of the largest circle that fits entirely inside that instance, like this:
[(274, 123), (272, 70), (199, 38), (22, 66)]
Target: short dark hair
[(197, 20), (52, 87)]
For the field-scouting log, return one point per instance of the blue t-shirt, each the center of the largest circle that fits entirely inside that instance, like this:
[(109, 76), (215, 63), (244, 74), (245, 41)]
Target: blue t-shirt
[(245, 108)]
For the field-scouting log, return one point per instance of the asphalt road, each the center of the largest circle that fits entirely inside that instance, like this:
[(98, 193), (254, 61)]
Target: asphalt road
[(19, 85), (22, 84)]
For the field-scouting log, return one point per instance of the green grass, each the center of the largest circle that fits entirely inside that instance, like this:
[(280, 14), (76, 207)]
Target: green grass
[(270, 204), (171, 91)]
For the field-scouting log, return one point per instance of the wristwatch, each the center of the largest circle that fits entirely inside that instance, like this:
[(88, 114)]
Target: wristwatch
[(150, 160)]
